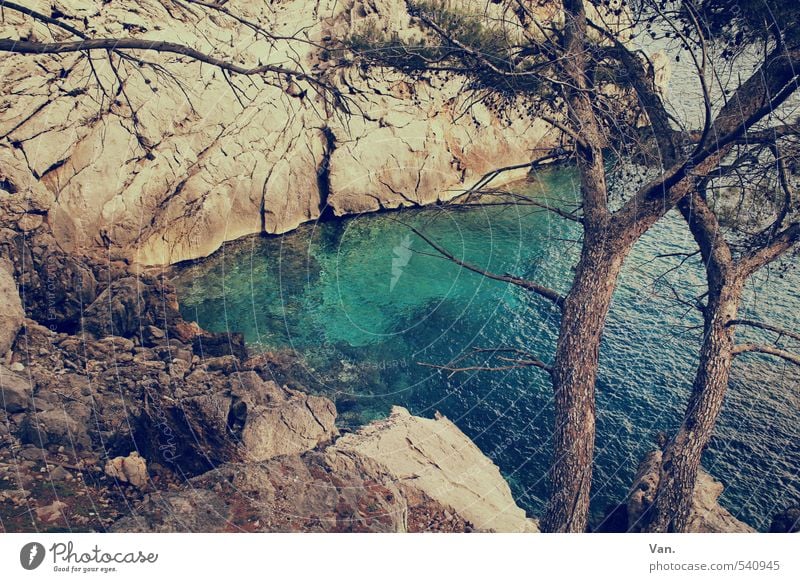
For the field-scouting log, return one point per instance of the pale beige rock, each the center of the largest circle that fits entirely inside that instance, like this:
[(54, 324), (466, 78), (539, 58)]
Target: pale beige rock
[(12, 314), (437, 458), (52, 512), (208, 169), (280, 421), (131, 469)]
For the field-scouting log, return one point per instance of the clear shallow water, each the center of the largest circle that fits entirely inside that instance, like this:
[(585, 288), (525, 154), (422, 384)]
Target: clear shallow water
[(360, 303)]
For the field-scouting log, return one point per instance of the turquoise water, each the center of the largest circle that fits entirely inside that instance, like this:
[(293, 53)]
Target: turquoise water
[(356, 306)]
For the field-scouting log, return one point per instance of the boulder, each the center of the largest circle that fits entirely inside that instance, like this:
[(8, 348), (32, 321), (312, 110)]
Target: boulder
[(12, 314), (706, 516), (131, 469), (57, 286), (65, 426), (214, 345), (51, 513), (434, 456), (278, 421), (15, 391), (131, 305)]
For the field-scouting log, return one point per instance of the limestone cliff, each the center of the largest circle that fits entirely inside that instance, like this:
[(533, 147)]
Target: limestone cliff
[(164, 161)]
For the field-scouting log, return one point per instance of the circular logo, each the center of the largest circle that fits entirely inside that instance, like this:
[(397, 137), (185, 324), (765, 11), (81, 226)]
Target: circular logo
[(31, 555)]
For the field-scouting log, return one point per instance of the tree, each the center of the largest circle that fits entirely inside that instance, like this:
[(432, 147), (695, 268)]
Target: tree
[(582, 66), (731, 253), (743, 217)]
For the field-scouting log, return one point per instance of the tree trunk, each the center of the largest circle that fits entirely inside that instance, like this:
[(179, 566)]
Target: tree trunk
[(681, 459), (574, 373)]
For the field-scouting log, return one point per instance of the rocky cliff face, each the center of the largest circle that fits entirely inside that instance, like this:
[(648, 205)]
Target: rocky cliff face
[(115, 424), (402, 474), (165, 161)]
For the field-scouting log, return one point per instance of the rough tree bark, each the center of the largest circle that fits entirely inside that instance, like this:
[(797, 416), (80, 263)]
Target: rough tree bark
[(586, 305), (574, 375), (726, 278), (681, 459)]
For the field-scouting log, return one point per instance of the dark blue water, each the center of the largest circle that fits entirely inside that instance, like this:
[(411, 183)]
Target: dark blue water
[(357, 306)]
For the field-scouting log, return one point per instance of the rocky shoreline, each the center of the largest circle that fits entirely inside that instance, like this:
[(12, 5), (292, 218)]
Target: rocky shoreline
[(118, 415), (121, 416)]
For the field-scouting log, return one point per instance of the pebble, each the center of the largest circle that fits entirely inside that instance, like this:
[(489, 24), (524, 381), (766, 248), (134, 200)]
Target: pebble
[(17, 367)]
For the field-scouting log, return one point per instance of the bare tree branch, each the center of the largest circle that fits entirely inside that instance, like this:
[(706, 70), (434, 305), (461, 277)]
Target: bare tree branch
[(523, 360), (766, 326), (541, 290), (490, 176), (117, 44), (763, 256), (768, 350)]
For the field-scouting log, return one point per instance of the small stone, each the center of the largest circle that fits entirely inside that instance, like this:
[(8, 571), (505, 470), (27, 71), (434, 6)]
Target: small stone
[(30, 222), (131, 469), (17, 367), (31, 454), (154, 332), (52, 512)]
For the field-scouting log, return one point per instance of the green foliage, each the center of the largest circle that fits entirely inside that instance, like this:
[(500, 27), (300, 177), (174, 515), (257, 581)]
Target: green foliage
[(467, 29), (739, 22), (451, 40), (375, 45)]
